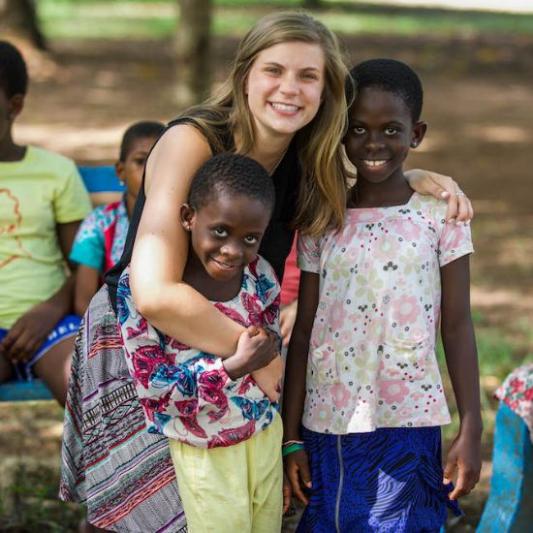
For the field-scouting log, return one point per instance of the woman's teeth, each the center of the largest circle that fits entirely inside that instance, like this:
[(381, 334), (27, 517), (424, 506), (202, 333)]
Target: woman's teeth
[(289, 108)]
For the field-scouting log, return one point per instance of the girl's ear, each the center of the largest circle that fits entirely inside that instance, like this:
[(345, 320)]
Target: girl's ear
[(120, 171), (419, 131), (15, 106), (187, 214)]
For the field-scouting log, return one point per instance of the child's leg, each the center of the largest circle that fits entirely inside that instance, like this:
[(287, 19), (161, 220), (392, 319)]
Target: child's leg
[(54, 368), (6, 370), (266, 477), (223, 490)]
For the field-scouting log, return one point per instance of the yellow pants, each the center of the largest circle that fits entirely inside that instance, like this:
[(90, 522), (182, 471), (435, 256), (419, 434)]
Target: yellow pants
[(237, 489)]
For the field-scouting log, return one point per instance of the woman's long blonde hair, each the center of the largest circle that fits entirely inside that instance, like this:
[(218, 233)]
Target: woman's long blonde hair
[(322, 198)]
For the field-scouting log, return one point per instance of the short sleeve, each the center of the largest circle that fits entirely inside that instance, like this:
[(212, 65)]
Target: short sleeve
[(272, 304), (455, 241), (309, 253), (267, 284), (88, 248), (71, 202)]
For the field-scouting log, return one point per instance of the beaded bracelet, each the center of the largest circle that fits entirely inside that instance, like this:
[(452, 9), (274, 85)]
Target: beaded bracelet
[(287, 442), (291, 448)]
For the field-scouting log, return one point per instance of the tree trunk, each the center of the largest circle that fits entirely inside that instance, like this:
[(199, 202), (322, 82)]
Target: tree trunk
[(311, 4), (192, 48), (19, 18)]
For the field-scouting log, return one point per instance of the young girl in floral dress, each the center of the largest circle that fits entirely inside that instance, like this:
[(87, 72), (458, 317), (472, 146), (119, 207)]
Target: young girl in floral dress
[(372, 402)]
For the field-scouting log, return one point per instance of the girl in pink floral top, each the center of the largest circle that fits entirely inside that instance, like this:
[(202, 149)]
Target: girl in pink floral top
[(362, 376), (199, 400)]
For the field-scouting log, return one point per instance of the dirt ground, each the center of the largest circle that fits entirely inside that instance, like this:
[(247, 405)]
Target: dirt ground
[(478, 103)]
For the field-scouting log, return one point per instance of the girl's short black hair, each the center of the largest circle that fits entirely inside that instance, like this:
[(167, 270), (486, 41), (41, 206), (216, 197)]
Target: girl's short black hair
[(233, 174), (13, 71), (392, 76), (139, 130)]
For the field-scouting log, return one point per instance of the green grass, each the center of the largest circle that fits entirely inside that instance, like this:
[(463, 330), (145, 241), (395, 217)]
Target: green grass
[(33, 504), (141, 19)]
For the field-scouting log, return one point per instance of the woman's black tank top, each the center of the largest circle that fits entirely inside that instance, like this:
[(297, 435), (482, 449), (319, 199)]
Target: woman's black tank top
[(278, 237)]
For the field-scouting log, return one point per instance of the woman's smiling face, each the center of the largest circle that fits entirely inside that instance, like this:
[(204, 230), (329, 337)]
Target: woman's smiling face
[(284, 87)]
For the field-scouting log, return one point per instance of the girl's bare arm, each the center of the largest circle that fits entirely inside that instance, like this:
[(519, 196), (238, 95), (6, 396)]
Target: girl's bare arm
[(464, 455)]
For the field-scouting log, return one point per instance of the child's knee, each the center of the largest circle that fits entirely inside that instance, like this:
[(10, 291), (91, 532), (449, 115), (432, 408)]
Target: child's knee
[(54, 368)]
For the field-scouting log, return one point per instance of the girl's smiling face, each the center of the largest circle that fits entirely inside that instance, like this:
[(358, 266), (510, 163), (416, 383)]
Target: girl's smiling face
[(226, 233), (380, 133), (284, 87)]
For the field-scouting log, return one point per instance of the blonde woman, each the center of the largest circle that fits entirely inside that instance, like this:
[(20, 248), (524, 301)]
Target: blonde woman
[(284, 106)]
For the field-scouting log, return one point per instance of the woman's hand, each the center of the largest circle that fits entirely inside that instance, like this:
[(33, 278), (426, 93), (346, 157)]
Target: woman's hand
[(442, 187), (297, 470)]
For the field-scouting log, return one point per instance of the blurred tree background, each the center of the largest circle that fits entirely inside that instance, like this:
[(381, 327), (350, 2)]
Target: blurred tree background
[(96, 66), (19, 18)]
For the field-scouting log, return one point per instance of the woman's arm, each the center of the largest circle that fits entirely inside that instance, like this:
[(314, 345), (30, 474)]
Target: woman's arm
[(443, 188), (31, 329), (161, 248), (464, 456)]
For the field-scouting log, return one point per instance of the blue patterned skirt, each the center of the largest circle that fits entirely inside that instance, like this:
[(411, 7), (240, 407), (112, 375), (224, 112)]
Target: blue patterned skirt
[(390, 479)]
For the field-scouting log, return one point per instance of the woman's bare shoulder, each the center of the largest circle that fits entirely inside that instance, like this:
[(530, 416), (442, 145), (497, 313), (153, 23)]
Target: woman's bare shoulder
[(181, 150)]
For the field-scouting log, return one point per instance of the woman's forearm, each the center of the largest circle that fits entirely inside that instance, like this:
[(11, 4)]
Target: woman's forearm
[(162, 247), (183, 313)]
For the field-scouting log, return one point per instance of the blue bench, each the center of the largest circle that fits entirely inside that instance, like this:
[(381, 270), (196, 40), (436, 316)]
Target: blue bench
[(102, 183), (509, 508), (104, 187)]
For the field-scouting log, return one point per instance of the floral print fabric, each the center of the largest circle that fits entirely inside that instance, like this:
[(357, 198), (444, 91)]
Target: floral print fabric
[(186, 394), (101, 237), (517, 393), (372, 356)]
